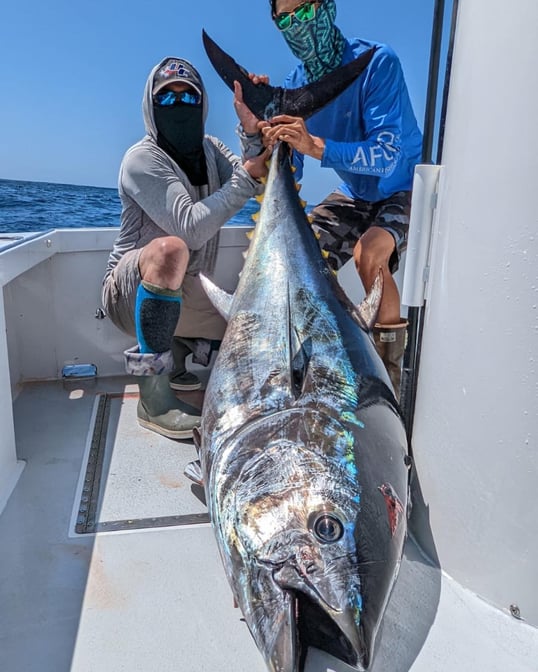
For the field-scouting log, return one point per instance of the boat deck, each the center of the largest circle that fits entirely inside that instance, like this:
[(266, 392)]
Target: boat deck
[(108, 561)]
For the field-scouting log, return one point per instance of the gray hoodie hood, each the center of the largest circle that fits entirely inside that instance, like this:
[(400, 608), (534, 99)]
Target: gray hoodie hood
[(181, 71)]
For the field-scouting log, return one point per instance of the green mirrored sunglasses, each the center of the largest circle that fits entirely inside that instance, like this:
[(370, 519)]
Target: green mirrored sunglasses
[(303, 12)]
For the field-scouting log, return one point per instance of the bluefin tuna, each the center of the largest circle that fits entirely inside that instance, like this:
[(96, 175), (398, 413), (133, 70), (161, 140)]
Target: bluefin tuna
[(302, 447)]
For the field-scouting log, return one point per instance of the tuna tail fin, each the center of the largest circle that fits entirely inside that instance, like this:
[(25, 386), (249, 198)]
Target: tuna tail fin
[(267, 101), (219, 298)]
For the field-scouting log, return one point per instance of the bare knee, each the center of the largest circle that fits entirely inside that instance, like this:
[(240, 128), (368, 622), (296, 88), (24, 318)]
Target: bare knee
[(367, 263), (372, 253), (164, 261)]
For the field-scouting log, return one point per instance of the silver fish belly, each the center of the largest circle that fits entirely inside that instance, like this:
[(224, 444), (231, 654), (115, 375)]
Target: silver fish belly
[(303, 449)]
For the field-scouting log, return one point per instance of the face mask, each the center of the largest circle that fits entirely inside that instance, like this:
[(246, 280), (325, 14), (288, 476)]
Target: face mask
[(318, 43), (180, 132)]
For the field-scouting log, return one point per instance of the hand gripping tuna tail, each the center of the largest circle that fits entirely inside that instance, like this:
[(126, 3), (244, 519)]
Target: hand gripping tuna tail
[(267, 101)]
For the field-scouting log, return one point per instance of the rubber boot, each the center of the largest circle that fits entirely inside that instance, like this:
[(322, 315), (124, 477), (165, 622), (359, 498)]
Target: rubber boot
[(180, 378), (161, 411), (390, 341)]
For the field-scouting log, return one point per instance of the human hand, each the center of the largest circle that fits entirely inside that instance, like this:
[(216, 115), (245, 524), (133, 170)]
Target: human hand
[(248, 120), (293, 131), (256, 166)]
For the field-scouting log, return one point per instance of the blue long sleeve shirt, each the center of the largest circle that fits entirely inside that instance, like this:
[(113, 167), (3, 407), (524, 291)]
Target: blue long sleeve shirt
[(372, 139)]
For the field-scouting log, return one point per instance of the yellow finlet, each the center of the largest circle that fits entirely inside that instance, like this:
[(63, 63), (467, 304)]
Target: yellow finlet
[(249, 234), (303, 203), (259, 197), (324, 254), (298, 186), (255, 216)]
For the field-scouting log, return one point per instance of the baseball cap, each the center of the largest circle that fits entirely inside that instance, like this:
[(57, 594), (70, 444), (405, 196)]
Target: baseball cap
[(176, 70)]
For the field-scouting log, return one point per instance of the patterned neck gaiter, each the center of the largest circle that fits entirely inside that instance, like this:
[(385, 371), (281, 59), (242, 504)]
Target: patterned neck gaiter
[(319, 44)]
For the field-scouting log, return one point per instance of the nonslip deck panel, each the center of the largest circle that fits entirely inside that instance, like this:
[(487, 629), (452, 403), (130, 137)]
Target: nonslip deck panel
[(133, 478)]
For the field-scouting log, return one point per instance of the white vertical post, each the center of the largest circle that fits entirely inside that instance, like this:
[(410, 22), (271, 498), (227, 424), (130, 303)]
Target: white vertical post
[(425, 183)]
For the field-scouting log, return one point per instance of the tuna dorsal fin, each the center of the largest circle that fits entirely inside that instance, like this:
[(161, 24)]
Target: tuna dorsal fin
[(219, 298), (267, 101), (369, 307)]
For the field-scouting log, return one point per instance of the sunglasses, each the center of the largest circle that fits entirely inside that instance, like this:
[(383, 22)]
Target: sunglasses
[(304, 12), (167, 98)]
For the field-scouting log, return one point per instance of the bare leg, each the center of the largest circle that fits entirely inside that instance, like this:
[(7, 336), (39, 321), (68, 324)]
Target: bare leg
[(163, 262), (371, 253)]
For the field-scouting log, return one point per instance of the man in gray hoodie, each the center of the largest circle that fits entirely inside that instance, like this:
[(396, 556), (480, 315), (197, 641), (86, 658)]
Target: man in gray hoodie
[(177, 186)]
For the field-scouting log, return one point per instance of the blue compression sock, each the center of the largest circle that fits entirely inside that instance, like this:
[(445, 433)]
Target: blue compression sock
[(156, 314)]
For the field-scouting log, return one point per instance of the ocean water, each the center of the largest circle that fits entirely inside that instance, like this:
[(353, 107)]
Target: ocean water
[(39, 206)]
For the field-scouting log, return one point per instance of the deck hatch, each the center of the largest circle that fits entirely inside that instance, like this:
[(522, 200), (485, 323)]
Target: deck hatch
[(106, 440)]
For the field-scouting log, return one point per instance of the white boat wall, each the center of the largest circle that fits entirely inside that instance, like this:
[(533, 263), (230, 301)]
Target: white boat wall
[(107, 558), (475, 432)]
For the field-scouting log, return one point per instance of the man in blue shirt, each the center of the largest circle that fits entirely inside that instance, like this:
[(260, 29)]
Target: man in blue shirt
[(369, 135)]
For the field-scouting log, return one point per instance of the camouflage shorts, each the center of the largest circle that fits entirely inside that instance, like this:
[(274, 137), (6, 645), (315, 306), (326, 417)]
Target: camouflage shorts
[(340, 221)]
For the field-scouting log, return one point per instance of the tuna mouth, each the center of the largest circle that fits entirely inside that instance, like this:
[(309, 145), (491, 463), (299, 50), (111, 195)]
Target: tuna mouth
[(316, 628)]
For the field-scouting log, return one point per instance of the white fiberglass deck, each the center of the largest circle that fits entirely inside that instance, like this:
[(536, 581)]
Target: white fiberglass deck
[(156, 599)]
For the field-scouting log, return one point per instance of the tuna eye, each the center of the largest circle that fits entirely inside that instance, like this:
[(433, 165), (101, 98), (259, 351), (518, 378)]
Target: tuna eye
[(327, 528)]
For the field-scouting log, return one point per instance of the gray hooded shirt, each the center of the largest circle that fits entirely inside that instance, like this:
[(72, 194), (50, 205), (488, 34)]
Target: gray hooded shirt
[(159, 200)]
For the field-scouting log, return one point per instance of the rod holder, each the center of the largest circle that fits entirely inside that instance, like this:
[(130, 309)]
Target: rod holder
[(425, 182)]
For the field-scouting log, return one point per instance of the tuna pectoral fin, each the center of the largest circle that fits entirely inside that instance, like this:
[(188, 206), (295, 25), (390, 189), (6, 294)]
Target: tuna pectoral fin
[(369, 308), (219, 298), (267, 101)]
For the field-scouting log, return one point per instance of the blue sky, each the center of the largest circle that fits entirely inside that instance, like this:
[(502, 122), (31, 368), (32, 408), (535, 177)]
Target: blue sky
[(73, 73)]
